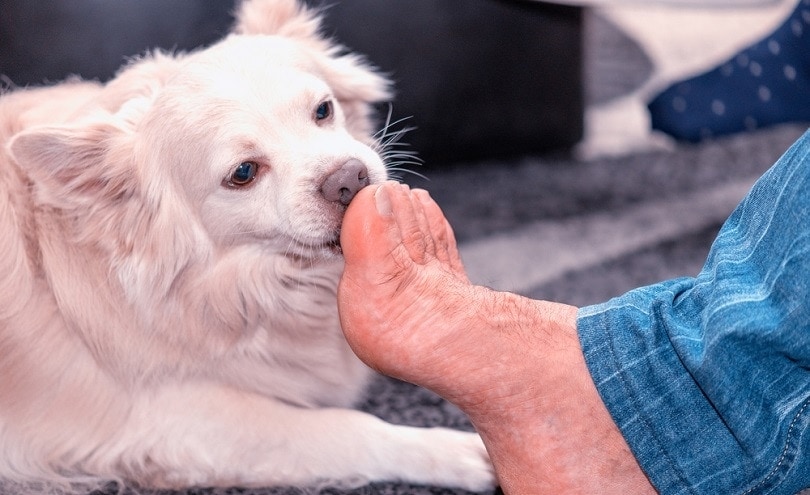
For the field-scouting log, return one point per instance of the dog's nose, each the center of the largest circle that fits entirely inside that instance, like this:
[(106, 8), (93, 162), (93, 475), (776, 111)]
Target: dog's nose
[(343, 183)]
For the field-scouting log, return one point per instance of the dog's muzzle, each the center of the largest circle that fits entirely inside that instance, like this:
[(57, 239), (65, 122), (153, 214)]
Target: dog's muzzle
[(342, 184)]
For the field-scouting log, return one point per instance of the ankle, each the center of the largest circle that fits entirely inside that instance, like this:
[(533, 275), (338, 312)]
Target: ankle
[(542, 418), (520, 349)]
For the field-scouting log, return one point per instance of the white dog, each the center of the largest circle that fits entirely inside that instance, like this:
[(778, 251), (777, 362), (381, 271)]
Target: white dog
[(168, 270)]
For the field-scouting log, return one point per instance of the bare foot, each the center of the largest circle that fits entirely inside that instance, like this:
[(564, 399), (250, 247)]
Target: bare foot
[(514, 365)]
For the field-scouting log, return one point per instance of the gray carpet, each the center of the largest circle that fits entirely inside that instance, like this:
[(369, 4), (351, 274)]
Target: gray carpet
[(576, 232)]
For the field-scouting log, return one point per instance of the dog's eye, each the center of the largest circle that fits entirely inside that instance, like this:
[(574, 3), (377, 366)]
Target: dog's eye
[(324, 110), (244, 174)]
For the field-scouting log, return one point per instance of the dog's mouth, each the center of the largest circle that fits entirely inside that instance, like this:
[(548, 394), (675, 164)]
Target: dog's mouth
[(334, 246), (312, 252), (331, 245)]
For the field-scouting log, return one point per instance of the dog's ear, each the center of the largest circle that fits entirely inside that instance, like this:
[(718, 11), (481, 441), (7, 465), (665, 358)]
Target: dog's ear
[(75, 166), (90, 173), (356, 84), (286, 18)]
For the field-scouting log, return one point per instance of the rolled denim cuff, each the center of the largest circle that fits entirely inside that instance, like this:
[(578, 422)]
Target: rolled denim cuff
[(708, 378)]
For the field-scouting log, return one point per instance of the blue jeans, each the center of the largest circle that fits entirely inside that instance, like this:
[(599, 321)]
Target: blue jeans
[(708, 378)]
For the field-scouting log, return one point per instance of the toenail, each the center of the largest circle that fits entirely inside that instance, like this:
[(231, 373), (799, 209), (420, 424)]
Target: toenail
[(383, 201), (422, 195)]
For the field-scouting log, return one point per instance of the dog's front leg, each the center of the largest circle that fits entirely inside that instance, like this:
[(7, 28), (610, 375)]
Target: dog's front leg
[(208, 435)]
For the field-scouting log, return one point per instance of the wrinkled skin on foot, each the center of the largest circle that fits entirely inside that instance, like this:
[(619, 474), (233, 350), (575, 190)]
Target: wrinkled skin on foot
[(513, 364)]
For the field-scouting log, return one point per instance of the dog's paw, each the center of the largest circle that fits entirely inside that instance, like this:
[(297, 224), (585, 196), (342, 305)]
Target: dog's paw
[(459, 459), (370, 449)]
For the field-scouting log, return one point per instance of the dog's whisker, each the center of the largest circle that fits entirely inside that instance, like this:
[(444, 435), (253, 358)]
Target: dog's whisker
[(390, 148), (388, 132), (396, 147), (388, 124), (393, 158), (407, 171), (393, 138), (410, 157), (398, 167), (382, 130), (395, 143), (394, 167)]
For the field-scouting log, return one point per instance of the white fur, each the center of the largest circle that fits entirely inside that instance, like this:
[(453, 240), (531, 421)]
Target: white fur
[(160, 327)]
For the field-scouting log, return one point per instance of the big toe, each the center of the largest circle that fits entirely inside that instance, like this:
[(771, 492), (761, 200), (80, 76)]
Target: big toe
[(369, 229)]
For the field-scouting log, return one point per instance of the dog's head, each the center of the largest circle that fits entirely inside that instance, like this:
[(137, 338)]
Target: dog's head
[(259, 140)]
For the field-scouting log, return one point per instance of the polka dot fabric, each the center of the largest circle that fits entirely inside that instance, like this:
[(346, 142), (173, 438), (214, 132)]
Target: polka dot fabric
[(768, 83)]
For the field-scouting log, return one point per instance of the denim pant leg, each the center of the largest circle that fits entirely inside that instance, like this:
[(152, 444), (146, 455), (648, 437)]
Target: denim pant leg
[(708, 378)]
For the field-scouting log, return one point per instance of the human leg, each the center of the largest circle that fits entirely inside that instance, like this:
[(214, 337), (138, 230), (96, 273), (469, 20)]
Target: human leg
[(707, 377), (765, 84), (514, 365)]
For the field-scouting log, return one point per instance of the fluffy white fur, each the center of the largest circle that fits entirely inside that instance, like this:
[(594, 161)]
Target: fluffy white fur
[(161, 326)]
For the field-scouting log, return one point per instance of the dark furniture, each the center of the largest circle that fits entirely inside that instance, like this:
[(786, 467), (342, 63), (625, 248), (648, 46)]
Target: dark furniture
[(478, 78)]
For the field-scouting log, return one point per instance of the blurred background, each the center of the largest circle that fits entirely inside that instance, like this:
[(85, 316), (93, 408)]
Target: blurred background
[(474, 76), (530, 117)]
